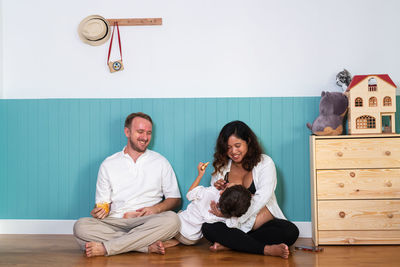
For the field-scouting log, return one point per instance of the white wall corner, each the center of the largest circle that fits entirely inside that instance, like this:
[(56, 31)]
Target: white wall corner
[(59, 227)]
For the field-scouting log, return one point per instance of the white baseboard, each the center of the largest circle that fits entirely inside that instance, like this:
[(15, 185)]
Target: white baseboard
[(304, 228), (51, 227), (64, 227)]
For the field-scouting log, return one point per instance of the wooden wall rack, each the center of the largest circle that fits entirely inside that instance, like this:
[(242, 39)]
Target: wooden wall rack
[(136, 22)]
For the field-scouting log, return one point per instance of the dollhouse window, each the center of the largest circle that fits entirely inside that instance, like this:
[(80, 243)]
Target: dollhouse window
[(387, 101), (359, 102), (372, 86), (365, 122), (373, 102)]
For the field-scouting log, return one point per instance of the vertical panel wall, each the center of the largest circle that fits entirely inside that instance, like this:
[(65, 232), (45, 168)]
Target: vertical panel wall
[(50, 150)]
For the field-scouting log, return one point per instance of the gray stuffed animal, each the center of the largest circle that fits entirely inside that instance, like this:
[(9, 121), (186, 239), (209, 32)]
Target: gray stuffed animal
[(332, 109)]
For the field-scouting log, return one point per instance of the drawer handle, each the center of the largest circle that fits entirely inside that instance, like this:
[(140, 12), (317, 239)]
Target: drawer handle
[(352, 174), (390, 215), (389, 184), (342, 214), (351, 240), (340, 154), (341, 185), (387, 153)]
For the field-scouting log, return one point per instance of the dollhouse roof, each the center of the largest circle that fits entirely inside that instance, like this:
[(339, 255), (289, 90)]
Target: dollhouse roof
[(358, 78)]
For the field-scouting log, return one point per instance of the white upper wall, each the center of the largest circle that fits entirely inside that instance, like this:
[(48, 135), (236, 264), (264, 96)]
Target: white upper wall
[(207, 48)]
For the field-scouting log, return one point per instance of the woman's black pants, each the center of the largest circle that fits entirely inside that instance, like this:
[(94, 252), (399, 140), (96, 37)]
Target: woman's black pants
[(275, 231)]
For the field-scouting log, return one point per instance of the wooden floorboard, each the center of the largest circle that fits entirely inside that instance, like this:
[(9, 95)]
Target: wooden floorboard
[(61, 250)]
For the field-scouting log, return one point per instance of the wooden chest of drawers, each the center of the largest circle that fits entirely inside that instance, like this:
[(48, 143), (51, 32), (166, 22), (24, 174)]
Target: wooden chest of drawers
[(355, 189)]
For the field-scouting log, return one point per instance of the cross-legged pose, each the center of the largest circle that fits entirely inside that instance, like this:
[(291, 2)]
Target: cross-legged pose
[(135, 180), (239, 159)]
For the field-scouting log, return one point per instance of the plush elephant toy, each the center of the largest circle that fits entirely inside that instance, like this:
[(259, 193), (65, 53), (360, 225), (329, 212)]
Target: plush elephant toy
[(332, 109)]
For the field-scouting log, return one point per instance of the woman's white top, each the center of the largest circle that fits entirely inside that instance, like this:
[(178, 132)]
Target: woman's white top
[(264, 177)]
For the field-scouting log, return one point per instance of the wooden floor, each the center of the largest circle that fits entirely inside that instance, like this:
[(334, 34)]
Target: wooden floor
[(61, 250)]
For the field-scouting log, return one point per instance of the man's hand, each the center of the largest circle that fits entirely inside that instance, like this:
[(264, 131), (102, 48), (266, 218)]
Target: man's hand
[(148, 211), (98, 213), (167, 204), (215, 210), (131, 214), (141, 212)]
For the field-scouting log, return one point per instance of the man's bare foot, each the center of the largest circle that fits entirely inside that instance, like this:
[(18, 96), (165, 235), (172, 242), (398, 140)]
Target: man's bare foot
[(157, 247), (218, 247), (95, 249), (280, 250)]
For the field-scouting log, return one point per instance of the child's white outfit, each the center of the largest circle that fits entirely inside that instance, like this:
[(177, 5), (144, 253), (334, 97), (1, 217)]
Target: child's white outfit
[(197, 213)]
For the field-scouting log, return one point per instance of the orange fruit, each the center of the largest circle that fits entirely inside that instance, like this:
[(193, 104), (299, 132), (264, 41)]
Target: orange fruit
[(105, 206)]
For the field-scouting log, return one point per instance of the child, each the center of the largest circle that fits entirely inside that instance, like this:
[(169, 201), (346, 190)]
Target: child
[(233, 202)]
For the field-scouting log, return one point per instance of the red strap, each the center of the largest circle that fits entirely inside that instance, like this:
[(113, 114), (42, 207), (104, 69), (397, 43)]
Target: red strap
[(119, 41)]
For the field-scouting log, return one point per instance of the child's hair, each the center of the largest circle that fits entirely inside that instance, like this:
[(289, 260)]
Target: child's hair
[(234, 201)]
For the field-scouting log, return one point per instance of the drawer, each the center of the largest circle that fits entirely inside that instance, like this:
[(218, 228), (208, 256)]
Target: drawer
[(359, 237), (358, 184), (357, 153), (358, 214)]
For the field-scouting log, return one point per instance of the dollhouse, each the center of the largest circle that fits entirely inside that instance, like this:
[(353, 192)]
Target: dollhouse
[(372, 104)]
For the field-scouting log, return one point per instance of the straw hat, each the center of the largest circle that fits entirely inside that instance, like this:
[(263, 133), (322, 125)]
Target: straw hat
[(94, 30)]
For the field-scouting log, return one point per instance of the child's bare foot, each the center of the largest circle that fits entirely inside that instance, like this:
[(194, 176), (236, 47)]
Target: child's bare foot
[(280, 250), (218, 247), (95, 249), (157, 247), (170, 243)]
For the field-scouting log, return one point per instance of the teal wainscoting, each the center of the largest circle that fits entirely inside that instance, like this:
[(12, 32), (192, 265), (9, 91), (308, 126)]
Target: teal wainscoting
[(51, 149)]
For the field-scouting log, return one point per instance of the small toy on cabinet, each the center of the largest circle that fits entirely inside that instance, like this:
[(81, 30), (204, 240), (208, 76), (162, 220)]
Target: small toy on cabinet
[(343, 79), (372, 104)]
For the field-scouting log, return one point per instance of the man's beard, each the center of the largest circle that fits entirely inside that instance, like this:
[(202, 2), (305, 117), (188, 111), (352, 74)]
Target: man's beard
[(137, 149)]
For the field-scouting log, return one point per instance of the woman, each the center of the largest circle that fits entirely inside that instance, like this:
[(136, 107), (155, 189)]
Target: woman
[(238, 159)]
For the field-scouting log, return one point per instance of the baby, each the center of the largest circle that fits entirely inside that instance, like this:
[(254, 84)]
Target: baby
[(233, 201)]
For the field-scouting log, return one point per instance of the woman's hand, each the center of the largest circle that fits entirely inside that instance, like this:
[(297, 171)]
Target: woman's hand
[(220, 184), (215, 210)]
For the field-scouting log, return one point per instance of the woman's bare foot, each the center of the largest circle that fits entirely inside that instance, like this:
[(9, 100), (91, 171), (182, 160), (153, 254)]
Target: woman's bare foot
[(95, 249), (280, 250), (157, 247), (218, 247)]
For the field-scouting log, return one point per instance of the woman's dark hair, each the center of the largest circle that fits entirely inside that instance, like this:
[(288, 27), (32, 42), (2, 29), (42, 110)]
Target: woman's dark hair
[(242, 131), (234, 201)]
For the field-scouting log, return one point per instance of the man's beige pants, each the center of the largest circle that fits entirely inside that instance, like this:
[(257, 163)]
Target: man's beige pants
[(123, 235)]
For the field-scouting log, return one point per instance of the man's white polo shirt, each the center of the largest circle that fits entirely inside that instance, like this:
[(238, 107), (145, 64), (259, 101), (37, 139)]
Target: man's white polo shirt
[(130, 185)]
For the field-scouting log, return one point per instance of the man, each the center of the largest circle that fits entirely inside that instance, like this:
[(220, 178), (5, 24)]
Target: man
[(134, 180)]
